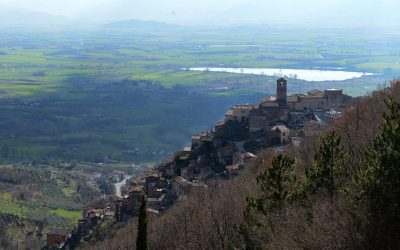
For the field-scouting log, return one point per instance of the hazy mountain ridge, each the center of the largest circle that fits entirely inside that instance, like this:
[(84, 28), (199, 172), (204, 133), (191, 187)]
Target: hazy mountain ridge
[(126, 14), (139, 24), (19, 17)]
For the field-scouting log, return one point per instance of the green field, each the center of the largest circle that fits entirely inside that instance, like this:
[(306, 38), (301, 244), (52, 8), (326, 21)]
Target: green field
[(84, 104), (124, 95)]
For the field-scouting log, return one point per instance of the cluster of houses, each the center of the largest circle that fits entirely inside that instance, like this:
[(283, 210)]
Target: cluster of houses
[(219, 153), (277, 116)]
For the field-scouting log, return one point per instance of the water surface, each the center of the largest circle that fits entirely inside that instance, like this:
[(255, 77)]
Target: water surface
[(302, 74)]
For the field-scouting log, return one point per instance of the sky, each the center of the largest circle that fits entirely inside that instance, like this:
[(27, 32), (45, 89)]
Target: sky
[(331, 12), (74, 8)]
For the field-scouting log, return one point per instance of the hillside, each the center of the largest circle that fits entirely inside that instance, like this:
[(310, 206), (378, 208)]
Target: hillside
[(11, 17), (332, 195), (134, 24)]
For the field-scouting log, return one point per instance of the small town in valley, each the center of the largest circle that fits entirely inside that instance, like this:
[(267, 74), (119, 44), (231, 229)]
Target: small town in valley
[(220, 153)]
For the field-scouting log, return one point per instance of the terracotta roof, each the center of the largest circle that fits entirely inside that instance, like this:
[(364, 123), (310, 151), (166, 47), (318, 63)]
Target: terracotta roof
[(315, 92), (311, 97), (229, 112), (220, 123), (245, 107), (59, 231), (196, 137), (136, 189)]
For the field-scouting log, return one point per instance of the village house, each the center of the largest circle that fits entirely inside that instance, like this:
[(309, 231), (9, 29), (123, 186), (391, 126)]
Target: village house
[(83, 227), (129, 205), (198, 169), (309, 103), (242, 158), (257, 121), (229, 115), (198, 140), (205, 173), (154, 186), (94, 216), (168, 168), (190, 172), (319, 100), (156, 203), (279, 134), (182, 187), (240, 113), (58, 238), (225, 154), (315, 92)]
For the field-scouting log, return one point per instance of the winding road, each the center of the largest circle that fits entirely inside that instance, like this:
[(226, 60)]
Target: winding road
[(119, 185)]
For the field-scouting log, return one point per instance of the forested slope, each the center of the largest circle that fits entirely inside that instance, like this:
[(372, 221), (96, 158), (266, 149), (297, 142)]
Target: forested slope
[(338, 190)]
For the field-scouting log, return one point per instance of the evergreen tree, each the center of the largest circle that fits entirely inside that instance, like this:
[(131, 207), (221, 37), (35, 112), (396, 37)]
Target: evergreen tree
[(276, 184), (379, 179), (329, 166), (141, 240)]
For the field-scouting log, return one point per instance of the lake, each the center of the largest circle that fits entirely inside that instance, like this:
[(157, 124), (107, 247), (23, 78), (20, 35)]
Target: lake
[(302, 74)]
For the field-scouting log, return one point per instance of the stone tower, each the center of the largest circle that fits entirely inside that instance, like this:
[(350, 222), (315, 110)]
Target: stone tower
[(281, 91)]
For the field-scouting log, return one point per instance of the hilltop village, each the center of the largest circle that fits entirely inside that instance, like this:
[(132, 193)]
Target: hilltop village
[(216, 154)]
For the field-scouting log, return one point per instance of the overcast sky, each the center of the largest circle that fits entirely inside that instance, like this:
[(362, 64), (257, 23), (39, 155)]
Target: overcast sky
[(214, 11)]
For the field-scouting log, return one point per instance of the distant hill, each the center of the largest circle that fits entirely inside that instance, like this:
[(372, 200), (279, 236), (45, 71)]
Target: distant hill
[(139, 25), (11, 17)]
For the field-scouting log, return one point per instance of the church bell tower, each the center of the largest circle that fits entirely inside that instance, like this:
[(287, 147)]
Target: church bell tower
[(281, 92)]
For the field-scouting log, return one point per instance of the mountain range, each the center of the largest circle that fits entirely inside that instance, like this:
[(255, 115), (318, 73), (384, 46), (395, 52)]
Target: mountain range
[(127, 14), (11, 17)]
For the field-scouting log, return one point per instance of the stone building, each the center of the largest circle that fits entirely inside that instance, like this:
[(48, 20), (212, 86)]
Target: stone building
[(58, 238), (281, 92), (334, 98), (240, 113), (318, 100), (271, 110), (153, 186), (307, 103), (182, 187), (279, 134)]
